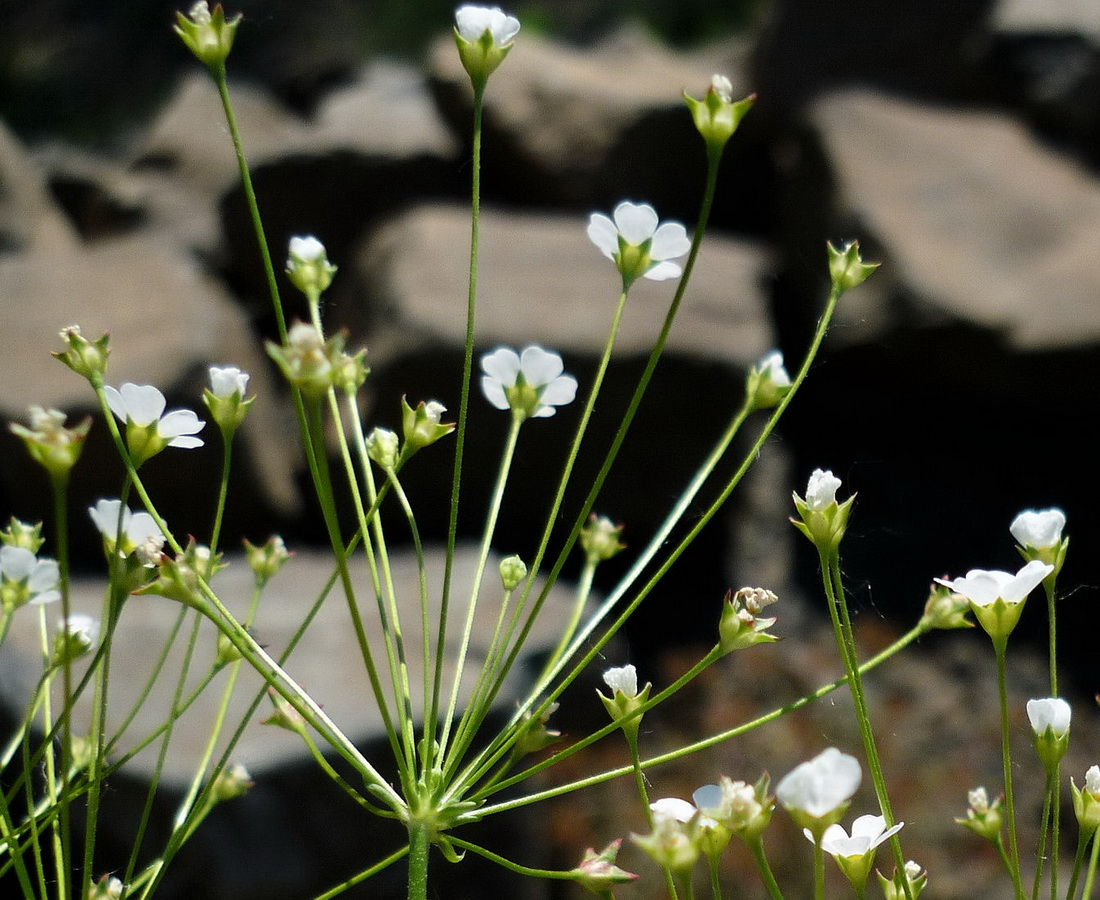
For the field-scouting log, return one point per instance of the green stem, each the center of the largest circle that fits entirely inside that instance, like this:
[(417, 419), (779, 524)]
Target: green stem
[(1093, 858), (463, 408), (756, 848), (1078, 859), (60, 486), (819, 872), (1000, 646), (845, 636), (695, 747), (364, 875), (1044, 824), (715, 881), (1052, 620), (419, 849), (551, 874)]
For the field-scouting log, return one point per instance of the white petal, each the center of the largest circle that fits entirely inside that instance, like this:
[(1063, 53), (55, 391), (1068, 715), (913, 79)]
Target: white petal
[(177, 422), (670, 241), (1050, 712), (1039, 529), (144, 403), (603, 233), (16, 563), (559, 392), (225, 382), (306, 248), (141, 526), (185, 442), (820, 785), (821, 489), (980, 586), (544, 412), (494, 392), (115, 402), (708, 797), (45, 576), (1092, 780), (674, 808), (663, 271), (503, 365), (473, 21), (540, 367), (1025, 581), (869, 826), (105, 516), (622, 678), (636, 221)]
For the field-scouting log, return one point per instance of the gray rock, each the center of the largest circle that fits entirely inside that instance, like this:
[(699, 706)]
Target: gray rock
[(979, 222), (326, 663), (1046, 16)]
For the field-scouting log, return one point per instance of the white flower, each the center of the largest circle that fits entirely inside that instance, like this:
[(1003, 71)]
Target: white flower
[(772, 368), (225, 382), (143, 405), (139, 530), (530, 382), (1051, 712), (1092, 780), (24, 578), (622, 679), (637, 244), (78, 625), (472, 22), (673, 808), (1039, 529), (983, 588), (821, 785), (867, 833), (723, 87), (821, 490), (305, 248), (433, 411)]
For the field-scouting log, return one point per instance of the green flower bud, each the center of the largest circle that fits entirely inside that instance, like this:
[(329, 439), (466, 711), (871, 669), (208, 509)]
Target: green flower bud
[(421, 426), (846, 268), (512, 572), (49, 443), (87, 359), (600, 539), (382, 447), (484, 36), (209, 35), (716, 116), (21, 534)]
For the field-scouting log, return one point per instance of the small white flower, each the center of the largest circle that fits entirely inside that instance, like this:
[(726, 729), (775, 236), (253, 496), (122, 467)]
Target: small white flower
[(983, 588), (139, 529), (722, 86), (433, 411), (867, 833), (978, 800), (225, 382), (819, 786), (24, 578), (1092, 780), (472, 22), (304, 248), (637, 244), (673, 808), (1050, 712), (821, 490), (772, 368), (531, 381), (78, 625), (622, 679), (1039, 529), (143, 404)]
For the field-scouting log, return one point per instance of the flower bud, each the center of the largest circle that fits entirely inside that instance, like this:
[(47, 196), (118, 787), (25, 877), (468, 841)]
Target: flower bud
[(512, 572), (231, 783), (225, 398), (209, 35), (1086, 801), (285, 715), (484, 35), (598, 873), (50, 444), (21, 534), (894, 888), (716, 116), (421, 426), (982, 817), (76, 635), (1039, 534), (107, 888), (945, 609), (382, 447), (1050, 719), (600, 539), (625, 697), (267, 559), (767, 382), (535, 734), (740, 625), (180, 579), (824, 520), (308, 268), (87, 359), (847, 268)]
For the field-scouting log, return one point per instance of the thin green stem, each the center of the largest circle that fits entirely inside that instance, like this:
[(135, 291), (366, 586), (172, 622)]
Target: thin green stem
[(1052, 625), (1044, 825), (420, 846), (60, 488), (1093, 858), (396, 856), (695, 747), (1083, 839), (715, 881), (846, 644), (819, 872), (756, 848), (461, 424), (1000, 646), (223, 493)]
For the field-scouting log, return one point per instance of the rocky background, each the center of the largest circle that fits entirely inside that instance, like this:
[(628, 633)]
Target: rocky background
[(958, 140)]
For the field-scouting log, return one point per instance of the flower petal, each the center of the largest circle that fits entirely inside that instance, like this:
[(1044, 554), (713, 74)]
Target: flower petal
[(559, 392), (1025, 581), (670, 241), (663, 271), (177, 422), (603, 233), (144, 403), (105, 516), (636, 222), (16, 563), (674, 808), (503, 365), (540, 367), (115, 402), (1038, 528), (494, 392)]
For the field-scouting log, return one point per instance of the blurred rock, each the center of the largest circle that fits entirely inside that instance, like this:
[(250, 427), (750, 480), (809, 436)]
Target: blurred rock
[(556, 116), (28, 217), (168, 323), (539, 277), (977, 220)]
